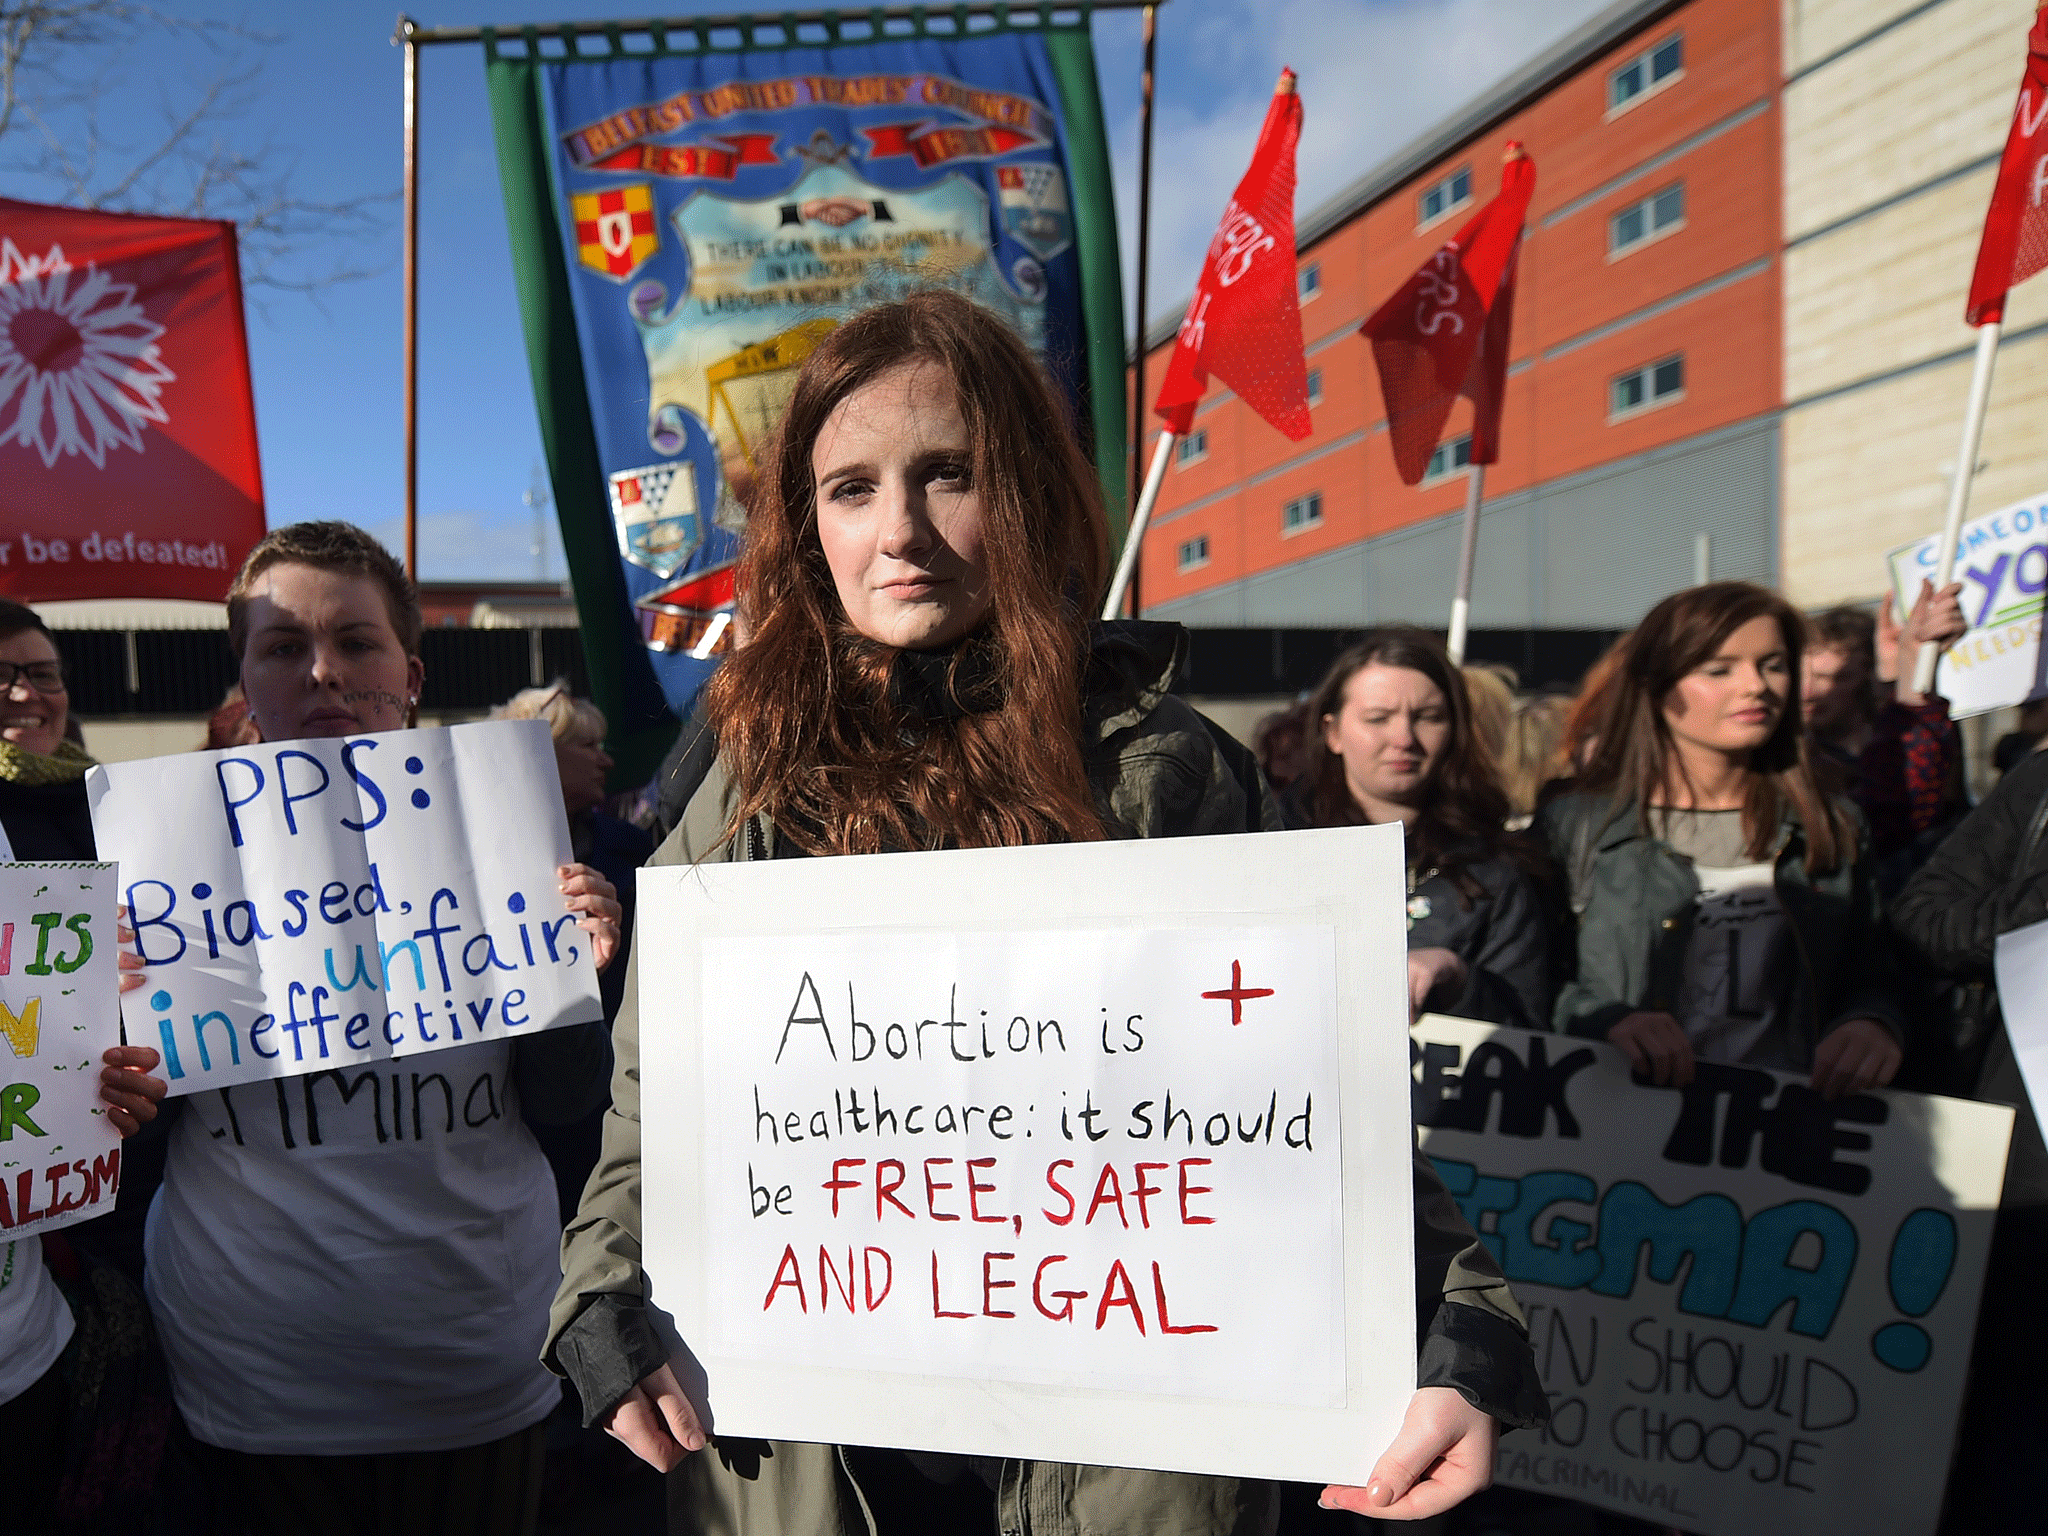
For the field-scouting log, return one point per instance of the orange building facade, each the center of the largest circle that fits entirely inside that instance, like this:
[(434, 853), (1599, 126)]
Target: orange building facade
[(1639, 446)]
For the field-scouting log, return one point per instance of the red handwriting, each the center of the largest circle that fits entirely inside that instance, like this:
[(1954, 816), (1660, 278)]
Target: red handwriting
[(1237, 993)]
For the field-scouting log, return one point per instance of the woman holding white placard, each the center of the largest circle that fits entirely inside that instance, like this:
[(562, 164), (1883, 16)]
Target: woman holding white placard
[(350, 1318), (925, 546), (1395, 741)]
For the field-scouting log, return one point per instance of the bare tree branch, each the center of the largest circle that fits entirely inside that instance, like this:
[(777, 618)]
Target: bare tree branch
[(60, 59)]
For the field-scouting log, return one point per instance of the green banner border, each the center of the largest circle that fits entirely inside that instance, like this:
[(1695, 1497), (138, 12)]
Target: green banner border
[(555, 359)]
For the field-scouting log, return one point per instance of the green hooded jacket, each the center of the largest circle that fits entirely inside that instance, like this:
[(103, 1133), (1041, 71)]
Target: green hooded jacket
[(1159, 770)]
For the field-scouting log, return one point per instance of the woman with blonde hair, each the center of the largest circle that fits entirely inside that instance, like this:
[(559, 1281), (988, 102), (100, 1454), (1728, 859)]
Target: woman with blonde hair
[(925, 548)]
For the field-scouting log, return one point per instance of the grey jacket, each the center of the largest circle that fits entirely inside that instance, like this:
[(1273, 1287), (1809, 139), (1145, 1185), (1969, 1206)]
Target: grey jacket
[(1158, 770), (1635, 899)]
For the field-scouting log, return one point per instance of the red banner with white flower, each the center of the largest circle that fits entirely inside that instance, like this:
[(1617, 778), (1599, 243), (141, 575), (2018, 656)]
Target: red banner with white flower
[(128, 460)]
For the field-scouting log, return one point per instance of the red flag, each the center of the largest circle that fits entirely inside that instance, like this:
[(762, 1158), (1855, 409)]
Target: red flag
[(1427, 339), (2015, 244), (1244, 322), (127, 428)]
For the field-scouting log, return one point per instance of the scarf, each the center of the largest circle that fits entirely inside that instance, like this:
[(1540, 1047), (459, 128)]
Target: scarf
[(949, 683), (32, 770)]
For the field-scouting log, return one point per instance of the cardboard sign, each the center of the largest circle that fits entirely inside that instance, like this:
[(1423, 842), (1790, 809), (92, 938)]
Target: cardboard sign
[(2002, 562), (1091, 1153), (1752, 1308), (60, 1158), (2023, 999), (309, 905)]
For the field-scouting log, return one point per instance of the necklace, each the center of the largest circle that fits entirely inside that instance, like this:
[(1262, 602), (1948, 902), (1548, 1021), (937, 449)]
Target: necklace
[(1418, 906)]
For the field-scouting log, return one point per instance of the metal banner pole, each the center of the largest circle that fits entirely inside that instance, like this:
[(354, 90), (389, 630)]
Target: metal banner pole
[(411, 281), (1468, 549), (1959, 487)]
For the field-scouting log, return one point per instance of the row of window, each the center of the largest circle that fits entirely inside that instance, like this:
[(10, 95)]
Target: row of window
[(1640, 389), (1657, 383), (1645, 74), (1298, 515)]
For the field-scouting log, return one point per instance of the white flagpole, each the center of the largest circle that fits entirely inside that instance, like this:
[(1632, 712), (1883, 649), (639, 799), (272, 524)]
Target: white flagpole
[(1468, 549), (1132, 540), (1959, 486)]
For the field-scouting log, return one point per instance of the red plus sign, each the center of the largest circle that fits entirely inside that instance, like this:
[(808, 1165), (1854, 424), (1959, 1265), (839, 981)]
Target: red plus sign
[(1237, 992)]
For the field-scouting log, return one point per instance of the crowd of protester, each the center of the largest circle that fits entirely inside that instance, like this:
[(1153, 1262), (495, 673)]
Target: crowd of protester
[(257, 1341)]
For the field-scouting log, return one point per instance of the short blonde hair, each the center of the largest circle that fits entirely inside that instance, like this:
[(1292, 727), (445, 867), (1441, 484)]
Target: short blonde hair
[(562, 710)]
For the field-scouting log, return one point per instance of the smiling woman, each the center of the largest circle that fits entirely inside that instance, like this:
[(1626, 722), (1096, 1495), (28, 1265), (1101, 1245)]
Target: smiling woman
[(42, 773)]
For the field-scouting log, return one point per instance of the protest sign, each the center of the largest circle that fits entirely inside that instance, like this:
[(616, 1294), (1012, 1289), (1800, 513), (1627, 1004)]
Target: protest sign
[(310, 905), (2023, 999), (1091, 1153), (2002, 562), (60, 1159), (1792, 1352)]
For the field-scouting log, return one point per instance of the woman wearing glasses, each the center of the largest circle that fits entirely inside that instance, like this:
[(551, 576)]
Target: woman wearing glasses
[(43, 816), (42, 772)]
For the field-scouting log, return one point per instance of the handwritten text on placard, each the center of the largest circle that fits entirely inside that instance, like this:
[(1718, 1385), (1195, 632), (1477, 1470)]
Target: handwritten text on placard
[(60, 1160), (1048, 1155), (1752, 1306), (310, 905)]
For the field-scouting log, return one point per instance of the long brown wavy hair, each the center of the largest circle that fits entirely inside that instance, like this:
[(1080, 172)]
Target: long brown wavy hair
[(1635, 762), (803, 712), (1464, 812)]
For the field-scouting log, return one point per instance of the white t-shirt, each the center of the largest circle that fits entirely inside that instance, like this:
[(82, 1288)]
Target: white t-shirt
[(339, 1275), (35, 1324)]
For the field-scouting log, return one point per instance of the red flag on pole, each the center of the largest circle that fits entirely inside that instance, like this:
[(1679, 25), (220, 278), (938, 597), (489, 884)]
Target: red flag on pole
[(127, 428), (1430, 336), (2015, 244), (1244, 322)]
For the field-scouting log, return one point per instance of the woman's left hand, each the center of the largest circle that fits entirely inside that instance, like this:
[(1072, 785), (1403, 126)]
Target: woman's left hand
[(1442, 1456), (1854, 1056), (128, 1090), (1429, 969), (595, 900)]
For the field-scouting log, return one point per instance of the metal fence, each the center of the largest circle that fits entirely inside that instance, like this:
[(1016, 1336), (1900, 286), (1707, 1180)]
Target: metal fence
[(189, 671)]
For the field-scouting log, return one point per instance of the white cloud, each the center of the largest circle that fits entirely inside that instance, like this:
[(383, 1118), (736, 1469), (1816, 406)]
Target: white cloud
[(1374, 75)]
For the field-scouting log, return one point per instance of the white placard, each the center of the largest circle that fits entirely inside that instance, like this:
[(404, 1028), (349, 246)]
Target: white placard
[(1752, 1308), (309, 905), (60, 1159), (2023, 999), (2002, 562), (1115, 1134)]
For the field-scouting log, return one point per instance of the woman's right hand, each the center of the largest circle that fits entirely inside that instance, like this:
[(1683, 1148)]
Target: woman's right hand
[(656, 1422), (1658, 1047)]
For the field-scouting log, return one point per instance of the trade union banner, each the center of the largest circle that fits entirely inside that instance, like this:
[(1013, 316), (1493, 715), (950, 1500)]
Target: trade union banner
[(689, 223), (1752, 1306), (127, 427)]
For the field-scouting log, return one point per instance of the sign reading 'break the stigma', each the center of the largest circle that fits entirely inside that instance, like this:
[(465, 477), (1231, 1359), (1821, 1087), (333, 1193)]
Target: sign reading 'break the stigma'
[(304, 906), (1092, 1153), (1752, 1306)]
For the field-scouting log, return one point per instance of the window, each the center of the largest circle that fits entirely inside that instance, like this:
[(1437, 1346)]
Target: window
[(1454, 191), (1658, 214), (1302, 512), (1642, 388), (1310, 282), (1193, 553), (1192, 449), (1315, 386), (1449, 458), (1646, 72)]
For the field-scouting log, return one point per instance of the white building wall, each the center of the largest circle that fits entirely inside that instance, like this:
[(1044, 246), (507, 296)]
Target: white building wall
[(1889, 107)]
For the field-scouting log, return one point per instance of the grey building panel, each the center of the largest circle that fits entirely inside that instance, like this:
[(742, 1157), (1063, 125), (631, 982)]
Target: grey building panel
[(1593, 551)]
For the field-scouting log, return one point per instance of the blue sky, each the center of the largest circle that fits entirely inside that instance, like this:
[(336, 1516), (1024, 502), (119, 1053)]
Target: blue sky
[(326, 104)]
